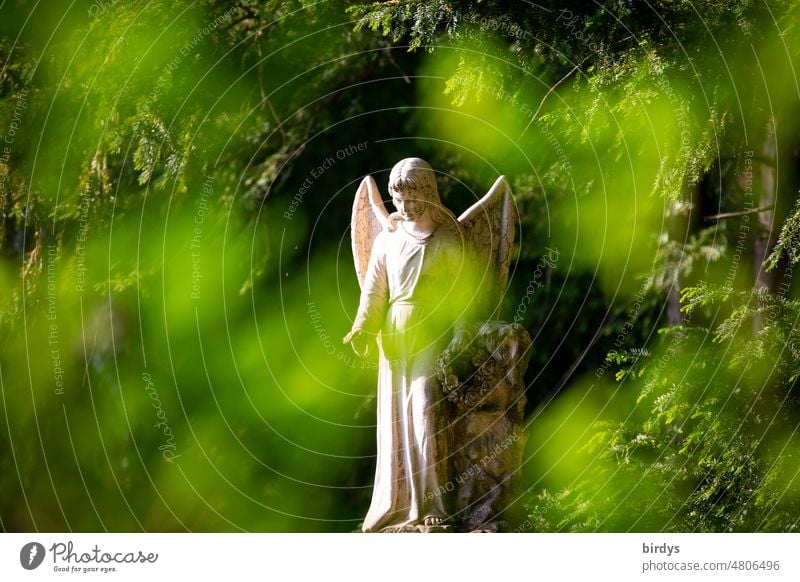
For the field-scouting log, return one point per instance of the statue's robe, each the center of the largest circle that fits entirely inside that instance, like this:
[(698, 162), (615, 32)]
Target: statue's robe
[(411, 300)]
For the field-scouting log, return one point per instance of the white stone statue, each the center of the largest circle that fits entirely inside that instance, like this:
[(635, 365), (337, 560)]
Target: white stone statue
[(424, 275)]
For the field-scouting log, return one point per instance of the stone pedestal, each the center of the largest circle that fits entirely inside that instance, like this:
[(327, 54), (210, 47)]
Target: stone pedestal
[(420, 529), (484, 384)]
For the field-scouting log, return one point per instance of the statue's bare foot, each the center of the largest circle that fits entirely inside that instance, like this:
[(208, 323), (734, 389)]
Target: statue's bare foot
[(433, 520)]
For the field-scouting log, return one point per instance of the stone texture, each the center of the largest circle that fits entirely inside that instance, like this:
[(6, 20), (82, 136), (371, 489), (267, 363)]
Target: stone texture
[(484, 383)]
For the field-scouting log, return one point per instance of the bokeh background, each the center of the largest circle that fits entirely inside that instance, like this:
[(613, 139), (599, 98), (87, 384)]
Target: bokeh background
[(176, 182)]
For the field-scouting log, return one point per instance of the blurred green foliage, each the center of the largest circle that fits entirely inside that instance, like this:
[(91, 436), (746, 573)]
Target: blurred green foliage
[(176, 183)]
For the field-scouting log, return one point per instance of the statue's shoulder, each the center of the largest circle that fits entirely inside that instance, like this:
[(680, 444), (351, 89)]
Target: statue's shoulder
[(384, 239), (386, 235), (450, 236), (449, 231)]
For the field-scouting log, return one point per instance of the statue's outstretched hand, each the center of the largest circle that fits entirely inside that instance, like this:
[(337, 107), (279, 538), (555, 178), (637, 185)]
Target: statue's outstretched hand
[(358, 341)]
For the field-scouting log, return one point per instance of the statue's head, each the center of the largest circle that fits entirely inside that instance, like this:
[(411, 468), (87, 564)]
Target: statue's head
[(412, 185)]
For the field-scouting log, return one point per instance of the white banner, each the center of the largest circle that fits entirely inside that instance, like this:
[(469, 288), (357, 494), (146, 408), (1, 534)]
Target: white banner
[(388, 557)]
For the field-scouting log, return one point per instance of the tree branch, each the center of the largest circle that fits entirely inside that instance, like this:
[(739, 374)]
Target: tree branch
[(546, 95), (740, 213)]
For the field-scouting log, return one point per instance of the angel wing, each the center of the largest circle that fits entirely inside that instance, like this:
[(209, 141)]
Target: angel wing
[(489, 226), (369, 218)]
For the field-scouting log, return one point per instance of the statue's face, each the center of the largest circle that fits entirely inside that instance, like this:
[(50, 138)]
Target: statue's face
[(409, 205)]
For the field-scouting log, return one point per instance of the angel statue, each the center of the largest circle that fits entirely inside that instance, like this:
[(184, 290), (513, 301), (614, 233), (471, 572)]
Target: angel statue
[(424, 276)]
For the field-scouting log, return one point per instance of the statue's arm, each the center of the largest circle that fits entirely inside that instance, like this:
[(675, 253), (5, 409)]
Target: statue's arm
[(373, 303)]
